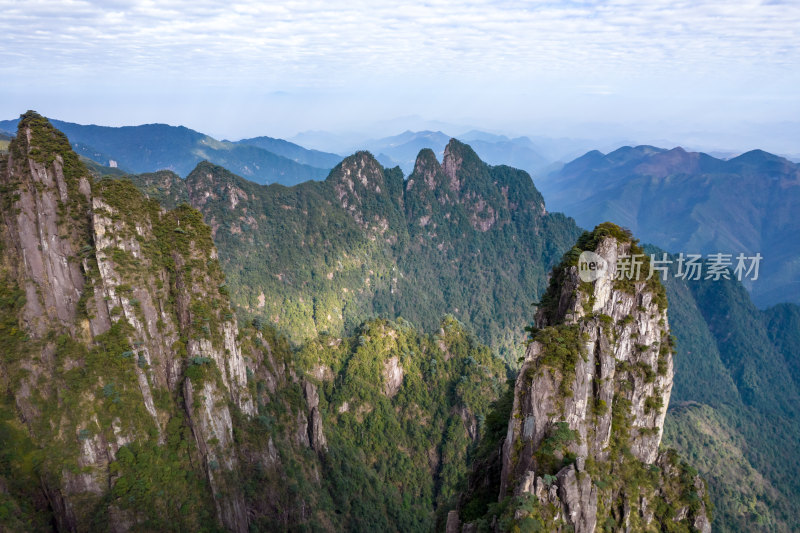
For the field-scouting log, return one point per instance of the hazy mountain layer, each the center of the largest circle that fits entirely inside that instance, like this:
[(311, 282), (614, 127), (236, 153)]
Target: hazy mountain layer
[(694, 203), (153, 147), (402, 149), (295, 152)]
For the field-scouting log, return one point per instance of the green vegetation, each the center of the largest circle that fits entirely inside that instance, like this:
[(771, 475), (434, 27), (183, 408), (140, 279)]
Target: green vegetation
[(81, 393), (553, 454), (12, 336), (22, 505), (731, 372), (298, 299), (783, 327), (561, 345), (744, 499), (410, 443), (311, 266), (50, 148), (480, 496), (664, 496), (296, 258), (693, 203), (160, 484), (164, 186), (412, 448), (766, 405), (101, 171)]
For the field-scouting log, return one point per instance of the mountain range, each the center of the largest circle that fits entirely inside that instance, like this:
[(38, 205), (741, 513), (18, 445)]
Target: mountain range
[(321, 256), (134, 399), (671, 198), (534, 156), (457, 237), (691, 202), (153, 147), (325, 357)]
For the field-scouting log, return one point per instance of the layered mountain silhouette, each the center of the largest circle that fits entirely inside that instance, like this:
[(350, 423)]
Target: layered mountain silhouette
[(295, 152), (320, 256), (153, 147), (693, 203), (520, 152)]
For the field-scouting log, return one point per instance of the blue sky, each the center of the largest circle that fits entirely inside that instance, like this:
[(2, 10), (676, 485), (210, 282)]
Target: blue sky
[(716, 74)]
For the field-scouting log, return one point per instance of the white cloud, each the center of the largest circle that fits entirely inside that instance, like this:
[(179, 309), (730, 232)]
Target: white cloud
[(475, 49), (316, 40)]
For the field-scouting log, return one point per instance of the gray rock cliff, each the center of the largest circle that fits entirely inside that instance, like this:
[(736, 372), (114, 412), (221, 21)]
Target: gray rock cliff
[(583, 441)]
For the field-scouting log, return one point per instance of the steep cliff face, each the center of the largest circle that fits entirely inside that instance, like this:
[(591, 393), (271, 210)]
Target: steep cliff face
[(581, 451), (149, 408), (129, 345)]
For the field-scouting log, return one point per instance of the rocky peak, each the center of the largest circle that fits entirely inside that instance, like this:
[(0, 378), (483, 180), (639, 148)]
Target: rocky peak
[(356, 176), (164, 185), (451, 163), (213, 182), (590, 400), (427, 170), (371, 194), (462, 188), (48, 222), (460, 160)]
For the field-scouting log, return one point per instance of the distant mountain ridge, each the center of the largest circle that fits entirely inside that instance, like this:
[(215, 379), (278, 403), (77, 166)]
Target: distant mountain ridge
[(153, 147), (494, 149), (692, 202), (295, 152)]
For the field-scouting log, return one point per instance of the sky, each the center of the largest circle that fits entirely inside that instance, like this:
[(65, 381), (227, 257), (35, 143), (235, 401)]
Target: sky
[(717, 75)]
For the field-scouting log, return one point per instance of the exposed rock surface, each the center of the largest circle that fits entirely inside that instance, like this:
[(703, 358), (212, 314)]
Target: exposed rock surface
[(316, 432), (621, 335), (373, 244), (155, 410), (589, 404), (392, 375), (126, 314)]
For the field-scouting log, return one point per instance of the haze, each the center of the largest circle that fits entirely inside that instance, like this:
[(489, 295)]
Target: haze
[(708, 75)]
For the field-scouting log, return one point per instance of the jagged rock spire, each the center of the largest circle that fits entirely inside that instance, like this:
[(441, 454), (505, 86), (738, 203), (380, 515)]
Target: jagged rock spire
[(590, 400)]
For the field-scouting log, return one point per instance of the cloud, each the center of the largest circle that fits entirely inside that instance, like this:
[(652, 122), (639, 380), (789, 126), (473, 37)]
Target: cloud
[(317, 41), (473, 59)]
